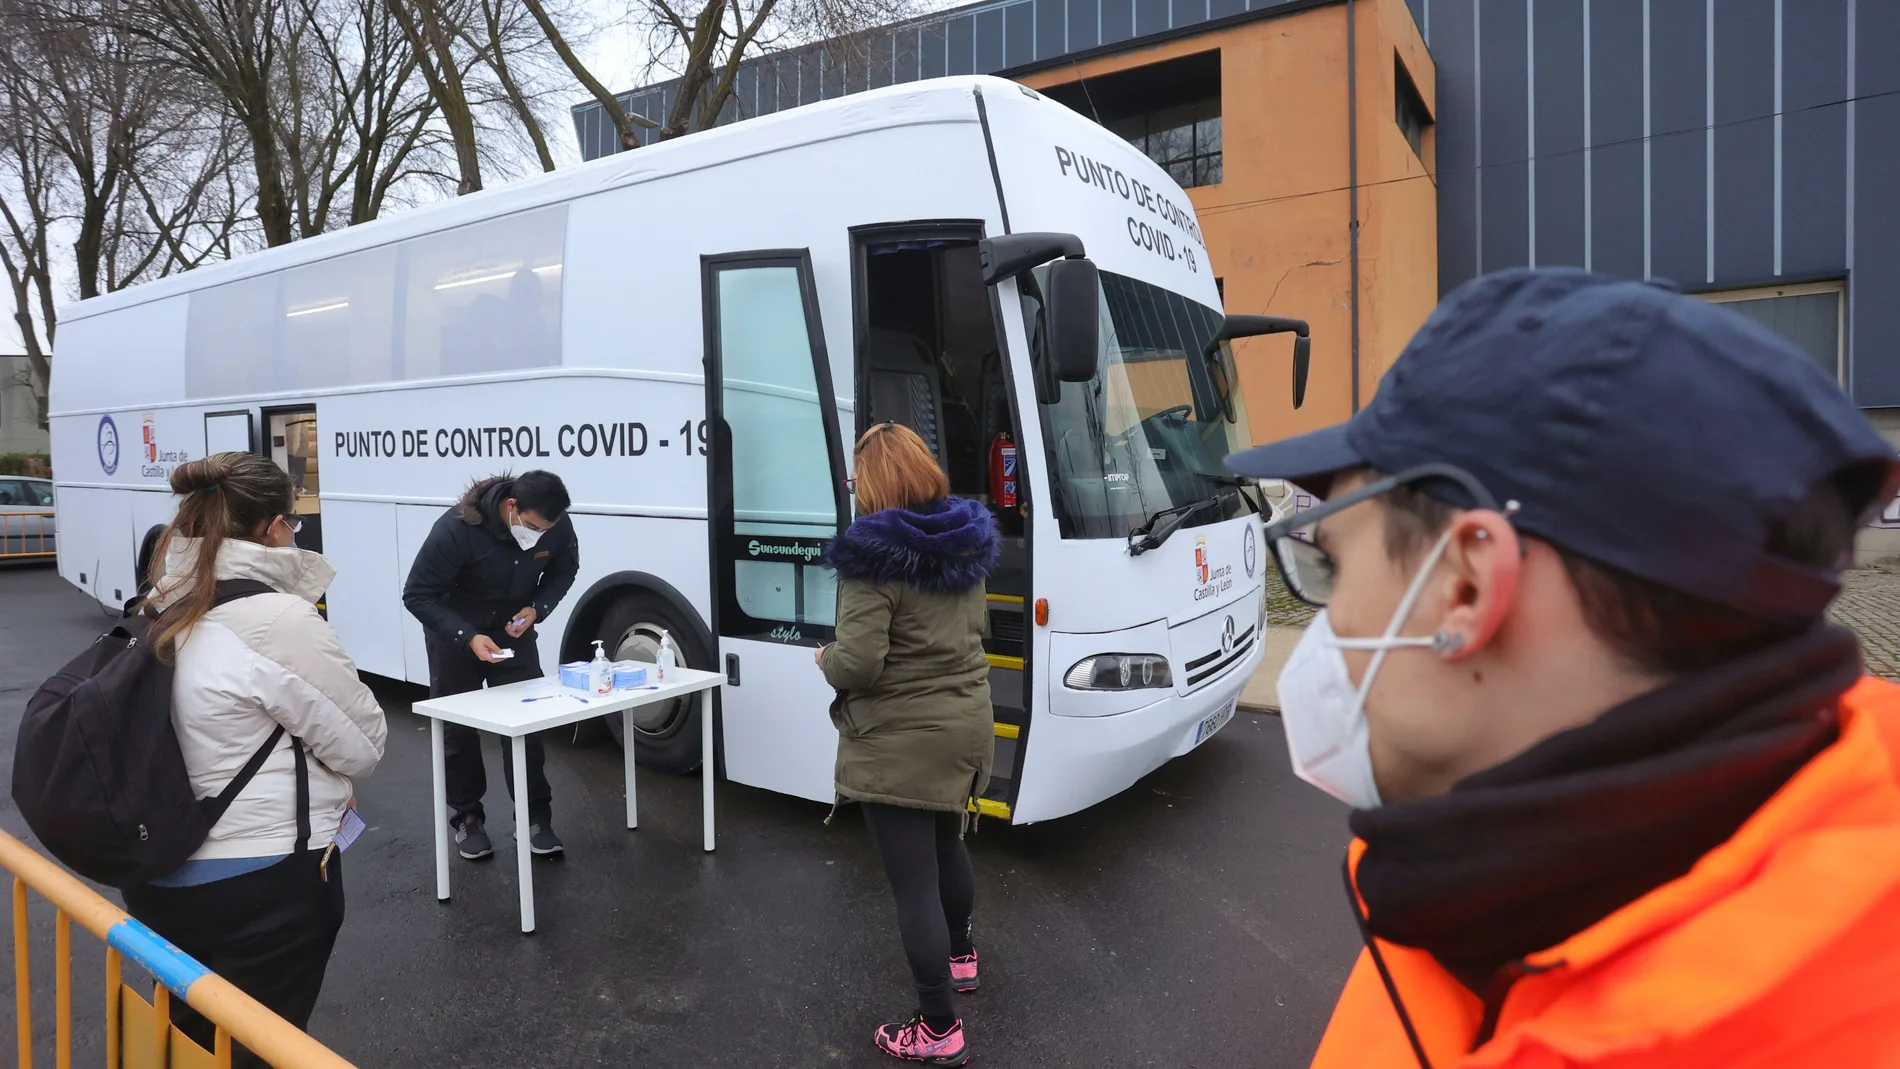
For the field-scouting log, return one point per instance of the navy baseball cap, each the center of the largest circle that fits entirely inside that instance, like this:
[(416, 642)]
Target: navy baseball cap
[(1653, 432)]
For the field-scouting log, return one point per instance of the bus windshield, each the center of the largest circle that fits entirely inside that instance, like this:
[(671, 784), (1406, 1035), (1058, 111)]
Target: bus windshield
[(1149, 431)]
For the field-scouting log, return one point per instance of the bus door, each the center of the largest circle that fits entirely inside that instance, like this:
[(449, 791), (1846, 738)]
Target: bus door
[(929, 357), (290, 440), (775, 497)]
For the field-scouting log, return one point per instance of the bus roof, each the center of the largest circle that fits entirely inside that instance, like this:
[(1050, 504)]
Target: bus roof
[(938, 101)]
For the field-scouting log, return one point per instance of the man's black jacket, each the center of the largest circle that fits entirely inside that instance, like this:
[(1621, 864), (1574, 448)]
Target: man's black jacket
[(471, 577)]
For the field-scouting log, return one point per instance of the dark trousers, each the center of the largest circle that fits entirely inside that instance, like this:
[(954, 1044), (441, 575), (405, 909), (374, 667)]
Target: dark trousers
[(456, 670), (930, 875), (270, 932)]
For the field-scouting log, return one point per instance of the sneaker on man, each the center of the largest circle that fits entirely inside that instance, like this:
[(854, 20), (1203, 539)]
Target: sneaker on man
[(963, 972), (543, 841), (471, 841), (913, 1041)]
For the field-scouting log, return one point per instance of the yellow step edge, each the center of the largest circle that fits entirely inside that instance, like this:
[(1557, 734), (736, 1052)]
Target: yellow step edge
[(997, 660), (1007, 599), (1009, 731), (990, 808)]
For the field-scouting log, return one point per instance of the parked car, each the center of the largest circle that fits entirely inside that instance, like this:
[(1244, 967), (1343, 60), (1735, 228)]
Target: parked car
[(27, 521)]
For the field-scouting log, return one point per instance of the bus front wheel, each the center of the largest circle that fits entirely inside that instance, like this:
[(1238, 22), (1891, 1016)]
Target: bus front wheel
[(667, 734)]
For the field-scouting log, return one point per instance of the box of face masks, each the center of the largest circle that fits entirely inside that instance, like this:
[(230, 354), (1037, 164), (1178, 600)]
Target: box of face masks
[(574, 677), (626, 675)]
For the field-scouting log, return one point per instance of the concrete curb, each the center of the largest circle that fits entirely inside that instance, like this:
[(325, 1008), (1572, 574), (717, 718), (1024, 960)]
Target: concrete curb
[(1260, 695)]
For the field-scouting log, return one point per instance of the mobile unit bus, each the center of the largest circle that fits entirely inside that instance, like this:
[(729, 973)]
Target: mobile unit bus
[(692, 335)]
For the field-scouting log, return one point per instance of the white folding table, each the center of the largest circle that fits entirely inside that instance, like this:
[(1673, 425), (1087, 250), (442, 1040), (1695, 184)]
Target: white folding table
[(517, 710)]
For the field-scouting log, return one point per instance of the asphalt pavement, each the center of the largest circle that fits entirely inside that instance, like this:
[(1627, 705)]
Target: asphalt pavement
[(1196, 920)]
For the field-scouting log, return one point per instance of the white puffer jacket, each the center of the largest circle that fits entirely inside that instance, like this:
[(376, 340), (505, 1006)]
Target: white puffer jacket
[(252, 664)]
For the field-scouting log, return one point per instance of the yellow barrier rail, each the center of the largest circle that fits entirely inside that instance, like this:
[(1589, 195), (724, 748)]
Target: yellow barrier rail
[(138, 1033), (28, 535)]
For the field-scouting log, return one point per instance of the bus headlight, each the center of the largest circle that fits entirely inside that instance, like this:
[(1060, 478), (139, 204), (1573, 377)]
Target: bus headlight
[(1120, 671)]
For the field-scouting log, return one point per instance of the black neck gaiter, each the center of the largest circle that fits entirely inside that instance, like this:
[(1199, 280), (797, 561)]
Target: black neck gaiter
[(1521, 857)]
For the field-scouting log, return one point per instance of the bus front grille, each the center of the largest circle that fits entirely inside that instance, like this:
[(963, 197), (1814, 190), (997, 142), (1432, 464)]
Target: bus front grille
[(1206, 667)]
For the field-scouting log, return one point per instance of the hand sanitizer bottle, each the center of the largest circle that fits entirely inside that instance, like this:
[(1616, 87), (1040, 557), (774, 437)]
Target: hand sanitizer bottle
[(664, 660), (600, 671)]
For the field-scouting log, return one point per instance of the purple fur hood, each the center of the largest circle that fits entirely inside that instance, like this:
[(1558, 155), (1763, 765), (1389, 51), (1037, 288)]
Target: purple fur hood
[(946, 547)]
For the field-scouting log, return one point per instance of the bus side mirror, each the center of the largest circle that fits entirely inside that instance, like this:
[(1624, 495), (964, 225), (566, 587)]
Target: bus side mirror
[(1009, 255), (1074, 317), (1245, 326)]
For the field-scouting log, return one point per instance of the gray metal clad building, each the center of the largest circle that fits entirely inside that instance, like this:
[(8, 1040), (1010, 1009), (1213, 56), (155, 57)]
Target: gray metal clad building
[(1747, 149)]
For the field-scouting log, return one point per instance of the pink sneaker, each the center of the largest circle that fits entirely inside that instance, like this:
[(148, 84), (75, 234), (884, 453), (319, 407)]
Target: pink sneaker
[(963, 973), (913, 1041)]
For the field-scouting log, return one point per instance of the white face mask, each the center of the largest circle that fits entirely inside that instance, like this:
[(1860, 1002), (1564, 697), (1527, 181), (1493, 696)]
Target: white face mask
[(525, 536), (1325, 715)]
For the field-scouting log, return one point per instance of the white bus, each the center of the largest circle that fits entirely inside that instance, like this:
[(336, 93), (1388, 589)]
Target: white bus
[(691, 335)]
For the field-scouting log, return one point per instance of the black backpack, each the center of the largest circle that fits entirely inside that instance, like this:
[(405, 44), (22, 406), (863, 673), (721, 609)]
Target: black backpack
[(98, 773)]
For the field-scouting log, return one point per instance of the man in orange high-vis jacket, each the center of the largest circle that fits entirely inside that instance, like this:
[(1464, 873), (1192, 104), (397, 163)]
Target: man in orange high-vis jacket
[(1622, 797)]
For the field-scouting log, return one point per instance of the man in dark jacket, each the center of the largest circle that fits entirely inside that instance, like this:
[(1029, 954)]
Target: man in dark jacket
[(497, 562)]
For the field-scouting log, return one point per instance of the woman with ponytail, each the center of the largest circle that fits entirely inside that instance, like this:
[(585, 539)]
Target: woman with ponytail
[(258, 672)]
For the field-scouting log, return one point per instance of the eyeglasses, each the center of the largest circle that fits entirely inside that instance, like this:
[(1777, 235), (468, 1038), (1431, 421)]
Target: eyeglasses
[(851, 486), (295, 523), (1308, 569)]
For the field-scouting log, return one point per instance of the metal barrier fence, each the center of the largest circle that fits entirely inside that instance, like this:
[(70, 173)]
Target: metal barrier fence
[(138, 1034), (27, 534)]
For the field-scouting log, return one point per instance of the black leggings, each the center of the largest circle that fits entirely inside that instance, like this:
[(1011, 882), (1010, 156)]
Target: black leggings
[(270, 932), (930, 875)]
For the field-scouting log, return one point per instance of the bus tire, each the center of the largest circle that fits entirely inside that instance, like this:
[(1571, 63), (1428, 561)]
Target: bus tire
[(667, 734), (142, 568), (148, 546)]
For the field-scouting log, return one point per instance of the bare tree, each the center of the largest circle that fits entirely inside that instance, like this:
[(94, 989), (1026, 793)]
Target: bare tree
[(705, 45), (91, 94), (101, 141), (26, 205), (179, 216), (502, 38), (325, 90), (233, 46), (433, 30), (622, 119), (355, 110)]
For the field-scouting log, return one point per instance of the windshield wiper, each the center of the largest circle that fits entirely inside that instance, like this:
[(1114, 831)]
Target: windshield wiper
[(1250, 491), (1147, 536)]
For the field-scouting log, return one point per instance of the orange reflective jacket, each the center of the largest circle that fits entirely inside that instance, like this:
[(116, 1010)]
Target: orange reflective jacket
[(1780, 949)]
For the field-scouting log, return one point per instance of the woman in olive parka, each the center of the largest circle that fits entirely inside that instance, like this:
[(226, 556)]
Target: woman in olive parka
[(915, 729)]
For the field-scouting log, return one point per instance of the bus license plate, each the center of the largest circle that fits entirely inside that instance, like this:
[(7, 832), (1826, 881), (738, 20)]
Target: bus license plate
[(1214, 723)]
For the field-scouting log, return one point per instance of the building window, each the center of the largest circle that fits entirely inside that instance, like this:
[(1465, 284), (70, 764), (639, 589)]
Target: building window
[(1409, 108), (1171, 111), (1184, 140), (1811, 315)]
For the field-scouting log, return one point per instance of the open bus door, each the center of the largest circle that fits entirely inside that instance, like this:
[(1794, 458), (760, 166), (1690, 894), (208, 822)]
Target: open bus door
[(775, 496), (291, 442)]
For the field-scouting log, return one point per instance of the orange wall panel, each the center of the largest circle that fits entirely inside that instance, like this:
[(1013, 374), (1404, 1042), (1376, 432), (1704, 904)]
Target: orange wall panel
[(1278, 226)]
